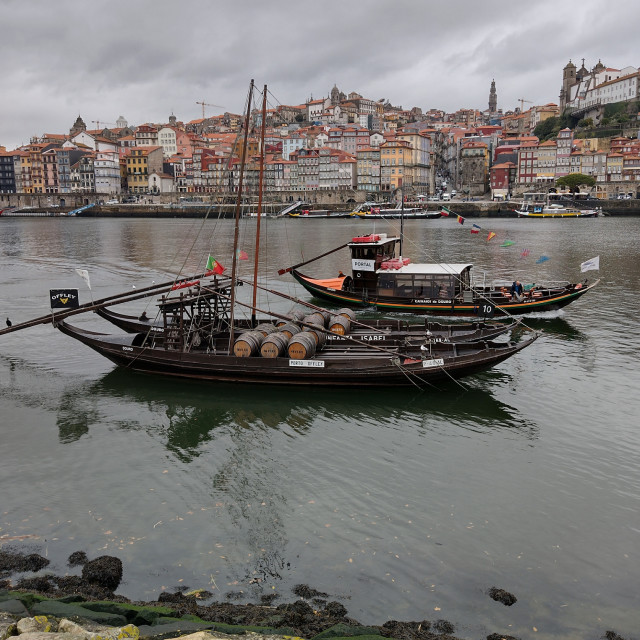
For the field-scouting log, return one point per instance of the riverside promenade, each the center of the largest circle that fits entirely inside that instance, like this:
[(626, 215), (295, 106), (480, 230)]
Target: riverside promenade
[(468, 209)]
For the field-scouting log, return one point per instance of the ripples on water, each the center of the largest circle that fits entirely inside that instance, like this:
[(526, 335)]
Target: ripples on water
[(401, 504)]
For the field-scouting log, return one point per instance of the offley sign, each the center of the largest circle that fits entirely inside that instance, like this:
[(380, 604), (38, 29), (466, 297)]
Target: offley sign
[(64, 298)]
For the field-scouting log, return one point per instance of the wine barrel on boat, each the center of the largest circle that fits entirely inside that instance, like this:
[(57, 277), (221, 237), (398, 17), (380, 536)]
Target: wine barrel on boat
[(294, 316), (340, 325), (319, 335), (347, 313), (266, 328), (247, 344), (289, 329), (302, 346), (316, 318), (274, 345)]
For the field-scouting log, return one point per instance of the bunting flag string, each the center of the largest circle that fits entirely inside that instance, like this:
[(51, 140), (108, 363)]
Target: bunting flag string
[(491, 235), (476, 228), (542, 259)]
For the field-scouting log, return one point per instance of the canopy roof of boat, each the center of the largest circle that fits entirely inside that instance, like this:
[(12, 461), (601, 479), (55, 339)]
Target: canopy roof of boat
[(430, 269)]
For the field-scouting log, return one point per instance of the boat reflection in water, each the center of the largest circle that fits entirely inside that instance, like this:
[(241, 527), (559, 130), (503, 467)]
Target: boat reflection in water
[(194, 415)]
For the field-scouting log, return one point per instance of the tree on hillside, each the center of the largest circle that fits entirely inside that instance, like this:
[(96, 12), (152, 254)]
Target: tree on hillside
[(574, 181)]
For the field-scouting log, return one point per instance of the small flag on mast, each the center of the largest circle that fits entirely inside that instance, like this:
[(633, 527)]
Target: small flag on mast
[(476, 228), (445, 211), (214, 265), (591, 265), (460, 220), (84, 274), (242, 255), (491, 235)]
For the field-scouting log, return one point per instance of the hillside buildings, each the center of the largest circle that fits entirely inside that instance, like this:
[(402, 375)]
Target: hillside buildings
[(343, 143)]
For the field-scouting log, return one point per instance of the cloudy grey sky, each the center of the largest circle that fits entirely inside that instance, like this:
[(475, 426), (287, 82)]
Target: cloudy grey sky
[(146, 59)]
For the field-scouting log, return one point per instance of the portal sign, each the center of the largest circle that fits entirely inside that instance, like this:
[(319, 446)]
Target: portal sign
[(363, 265)]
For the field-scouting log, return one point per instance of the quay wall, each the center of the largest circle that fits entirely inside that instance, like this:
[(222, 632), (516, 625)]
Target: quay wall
[(169, 206)]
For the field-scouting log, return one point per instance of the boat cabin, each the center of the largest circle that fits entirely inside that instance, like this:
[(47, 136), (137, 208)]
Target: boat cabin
[(367, 255), (427, 282), (376, 270)]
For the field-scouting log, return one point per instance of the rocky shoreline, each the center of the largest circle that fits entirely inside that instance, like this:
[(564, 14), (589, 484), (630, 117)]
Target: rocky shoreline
[(86, 607)]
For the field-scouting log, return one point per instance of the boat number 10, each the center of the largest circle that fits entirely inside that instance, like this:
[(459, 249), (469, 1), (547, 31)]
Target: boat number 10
[(486, 309)]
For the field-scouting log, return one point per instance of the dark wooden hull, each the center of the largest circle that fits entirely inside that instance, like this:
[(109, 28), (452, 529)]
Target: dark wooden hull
[(553, 300), (359, 366), (382, 332)]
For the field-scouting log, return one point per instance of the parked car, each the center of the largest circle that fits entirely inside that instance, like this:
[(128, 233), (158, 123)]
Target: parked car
[(113, 201), (433, 198), (453, 193)]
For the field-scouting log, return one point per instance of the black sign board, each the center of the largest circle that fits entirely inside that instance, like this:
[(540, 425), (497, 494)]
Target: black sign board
[(64, 298), (486, 309)]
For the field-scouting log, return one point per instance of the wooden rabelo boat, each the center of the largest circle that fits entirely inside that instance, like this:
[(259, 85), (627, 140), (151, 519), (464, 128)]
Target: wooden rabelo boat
[(197, 341), (381, 279), (198, 336), (381, 331)]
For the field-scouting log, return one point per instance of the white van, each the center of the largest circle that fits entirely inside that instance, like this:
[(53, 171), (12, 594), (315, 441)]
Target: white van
[(446, 196)]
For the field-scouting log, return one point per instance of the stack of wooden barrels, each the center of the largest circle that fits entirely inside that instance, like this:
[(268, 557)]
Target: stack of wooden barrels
[(300, 337)]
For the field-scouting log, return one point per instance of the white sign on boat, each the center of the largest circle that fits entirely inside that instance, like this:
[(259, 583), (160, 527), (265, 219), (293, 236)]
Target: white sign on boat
[(437, 362), (306, 363), (363, 265)]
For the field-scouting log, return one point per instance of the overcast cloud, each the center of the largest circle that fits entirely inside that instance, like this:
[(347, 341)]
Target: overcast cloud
[(146, 59)]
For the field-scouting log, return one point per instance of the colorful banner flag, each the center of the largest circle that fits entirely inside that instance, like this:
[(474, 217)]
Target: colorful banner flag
[(84, 274), (491, 235), (445, 211), (525, 253), (214, 266), (591, 265), (242, 255), (476, 228), (460, 220), (542, 259), (507, 243)]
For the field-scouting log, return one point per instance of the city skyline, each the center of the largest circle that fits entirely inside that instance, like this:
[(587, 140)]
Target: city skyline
[(148, 60)]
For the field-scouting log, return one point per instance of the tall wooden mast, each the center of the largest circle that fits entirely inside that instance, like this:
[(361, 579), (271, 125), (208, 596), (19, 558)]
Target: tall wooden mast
[(260, 187), (243, 159)]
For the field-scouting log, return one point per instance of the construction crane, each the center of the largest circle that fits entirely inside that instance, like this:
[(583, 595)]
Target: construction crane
[(97, 123), (522, 101), (207, 104)]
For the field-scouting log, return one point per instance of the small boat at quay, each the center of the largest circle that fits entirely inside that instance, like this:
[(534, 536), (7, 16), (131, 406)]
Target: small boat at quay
[(382, 279), (544, 205), (199, 333), (373, 210)]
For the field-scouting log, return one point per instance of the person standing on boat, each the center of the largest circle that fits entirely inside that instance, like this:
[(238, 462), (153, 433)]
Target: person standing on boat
[(517, 291)]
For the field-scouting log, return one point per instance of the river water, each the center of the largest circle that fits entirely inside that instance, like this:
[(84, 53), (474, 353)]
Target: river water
[(401, 505)]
